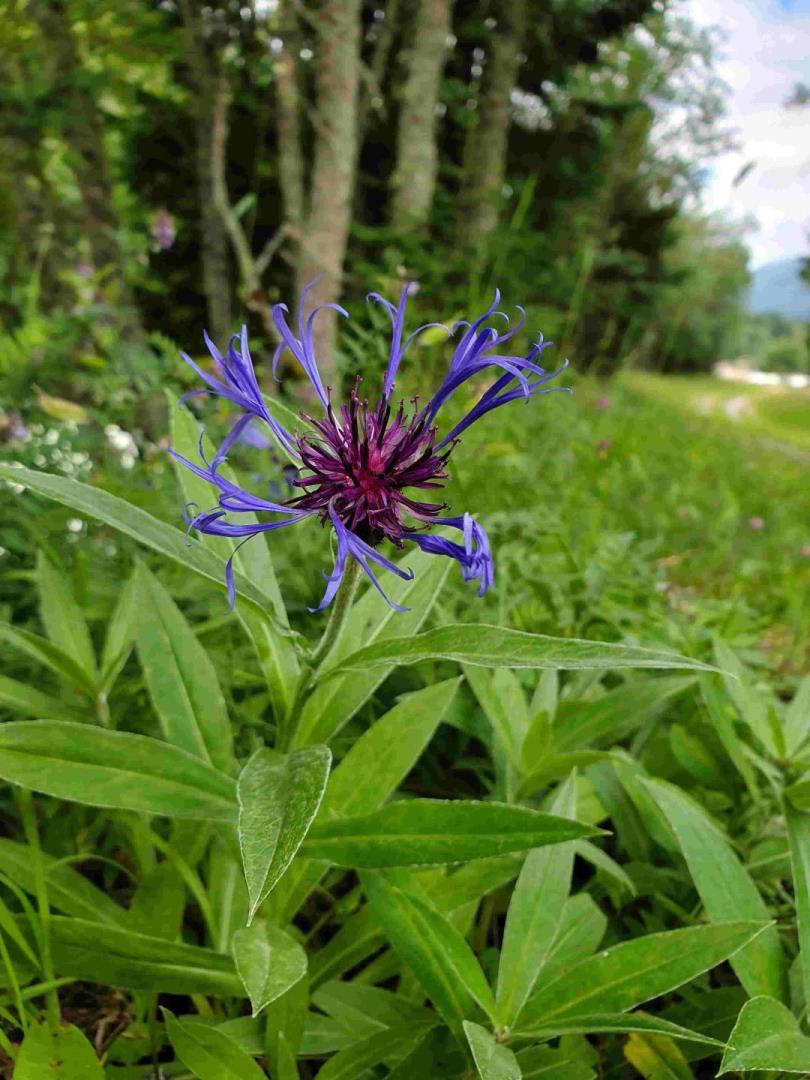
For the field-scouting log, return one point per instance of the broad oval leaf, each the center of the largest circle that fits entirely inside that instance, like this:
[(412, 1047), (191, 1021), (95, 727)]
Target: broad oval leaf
[(492, 1060), (279, 795), (498, 646), (269, 962), (626, 975), (64, 1054), (766, 1036), (432, 831), (114, 769)]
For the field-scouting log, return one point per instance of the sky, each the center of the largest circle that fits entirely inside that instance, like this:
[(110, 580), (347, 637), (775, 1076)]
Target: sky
[(765, 52)]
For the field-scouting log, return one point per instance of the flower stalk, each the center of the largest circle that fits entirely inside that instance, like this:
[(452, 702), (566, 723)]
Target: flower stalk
[(333, 631)]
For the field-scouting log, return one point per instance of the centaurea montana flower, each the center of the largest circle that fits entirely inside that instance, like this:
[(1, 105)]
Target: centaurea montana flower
[(359, 468)]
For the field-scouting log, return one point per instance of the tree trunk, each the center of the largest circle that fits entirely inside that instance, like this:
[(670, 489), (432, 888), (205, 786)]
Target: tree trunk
[(83, 132), (213, 238), (414, 178), (487, 140), (288, 128), (323, 242), (373, 75)]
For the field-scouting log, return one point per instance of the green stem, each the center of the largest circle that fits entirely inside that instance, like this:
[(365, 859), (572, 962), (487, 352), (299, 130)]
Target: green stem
[(341, 606), (29, 820)]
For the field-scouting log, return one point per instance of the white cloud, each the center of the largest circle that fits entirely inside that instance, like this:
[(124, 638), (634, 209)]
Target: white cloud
[(765, 53)]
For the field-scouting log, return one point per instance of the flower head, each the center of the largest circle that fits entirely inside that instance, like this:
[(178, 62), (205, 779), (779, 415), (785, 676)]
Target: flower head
[(365, 470)]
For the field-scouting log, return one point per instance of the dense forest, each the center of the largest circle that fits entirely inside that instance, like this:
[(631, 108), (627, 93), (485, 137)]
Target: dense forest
[(185, 164)]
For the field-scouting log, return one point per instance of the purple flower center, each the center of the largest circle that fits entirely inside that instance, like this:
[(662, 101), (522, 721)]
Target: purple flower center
[(361, 462)]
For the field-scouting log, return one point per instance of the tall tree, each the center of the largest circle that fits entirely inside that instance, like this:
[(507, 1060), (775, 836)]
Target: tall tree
[(487, 139), (288, 127), (326, 226), (414, 178), (204, 63)]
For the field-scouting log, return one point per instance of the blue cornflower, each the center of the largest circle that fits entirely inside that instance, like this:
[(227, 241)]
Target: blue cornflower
[(356, 465)]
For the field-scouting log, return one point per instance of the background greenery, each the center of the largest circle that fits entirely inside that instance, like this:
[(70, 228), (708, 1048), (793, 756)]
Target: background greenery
[(654, 507)]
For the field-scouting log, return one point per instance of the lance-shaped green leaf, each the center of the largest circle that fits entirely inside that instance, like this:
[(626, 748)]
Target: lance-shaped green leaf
[(580, 932), (492, 1060), (68, 890), (626, 975), (120, 634), (159, 902), (766, 1036), (384, 755), (209, 1053), (19, 697), (797, 718), (498, 646), (45, 652), (115, 769), (725, 887), (369, 774), (269, 962), (361, 935), (107, 954), (63, 619), (389, 1046), (334, 701), (134, 522), (274, 646), (180, 677), (721, 715), (751, 703), (656, 1057), (64, 1054), (534, 915), (504, 704), (615, 1023), (433, 949), (279, 796), (798, 829), (425, 831), (617, 713)]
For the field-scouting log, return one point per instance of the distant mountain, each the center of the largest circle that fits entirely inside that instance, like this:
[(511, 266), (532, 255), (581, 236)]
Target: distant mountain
[(777, 289)]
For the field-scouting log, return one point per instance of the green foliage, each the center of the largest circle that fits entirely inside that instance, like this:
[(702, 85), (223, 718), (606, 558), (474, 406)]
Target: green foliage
[(601, 806), (560, 832)]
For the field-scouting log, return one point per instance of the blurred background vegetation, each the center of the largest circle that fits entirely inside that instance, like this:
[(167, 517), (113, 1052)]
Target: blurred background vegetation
[(172, 166)]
